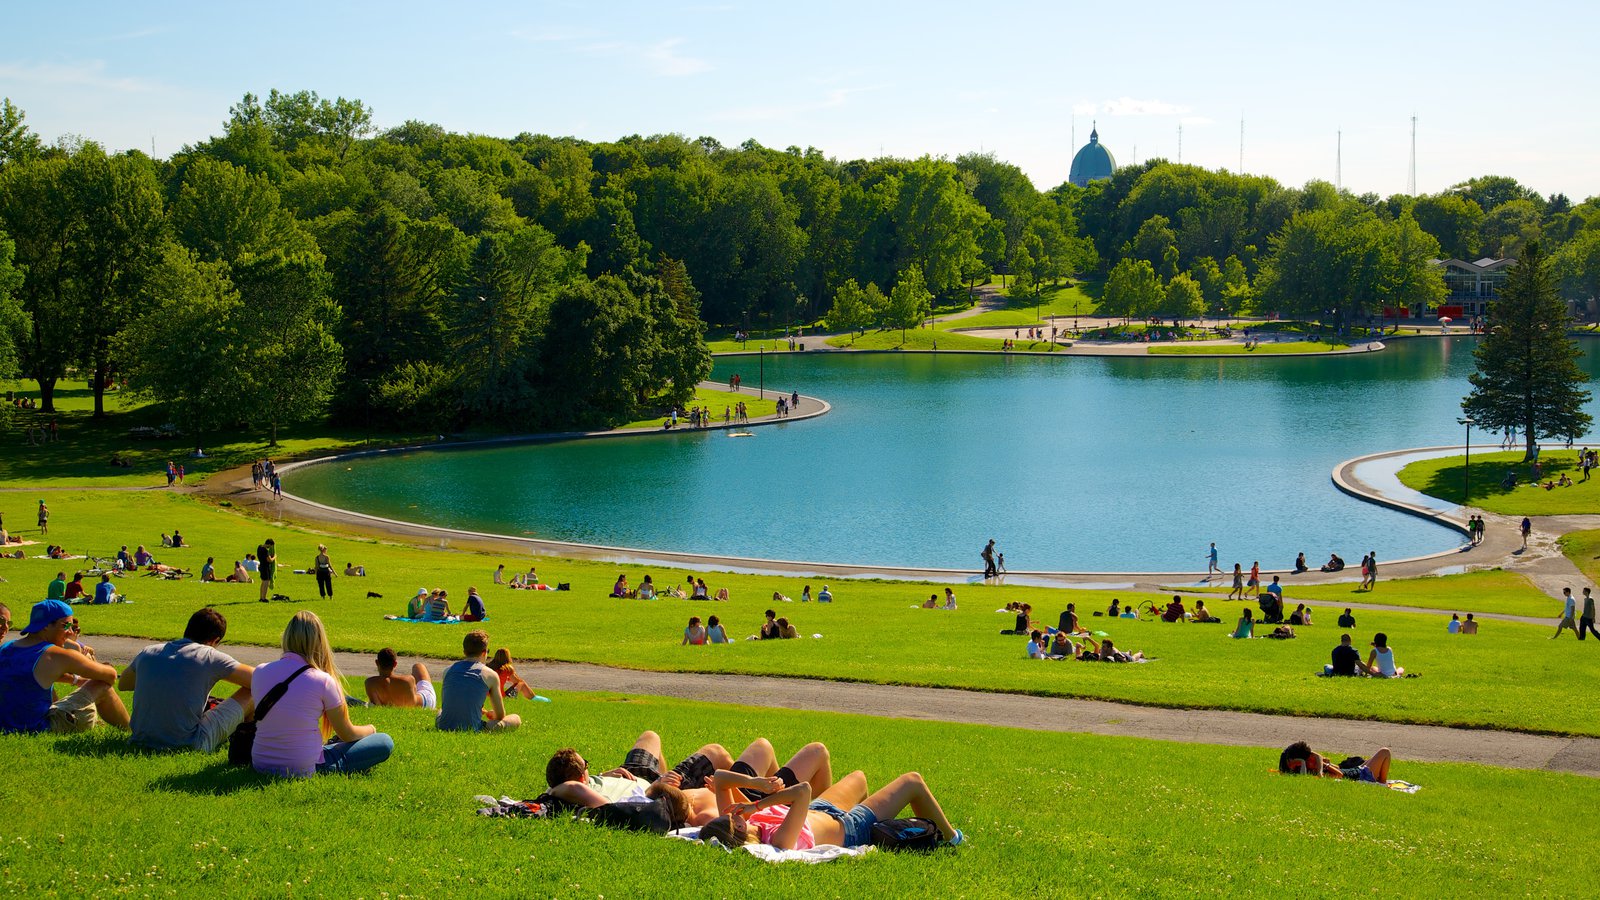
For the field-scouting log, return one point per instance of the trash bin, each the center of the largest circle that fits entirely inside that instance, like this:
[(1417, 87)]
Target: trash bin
[(802, 348)]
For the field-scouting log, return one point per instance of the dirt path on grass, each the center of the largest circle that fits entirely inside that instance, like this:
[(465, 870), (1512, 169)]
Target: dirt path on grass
[(1428, 743)]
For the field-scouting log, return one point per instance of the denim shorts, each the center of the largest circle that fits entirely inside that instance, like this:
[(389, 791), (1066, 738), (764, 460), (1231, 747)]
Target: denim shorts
[(857, 823)]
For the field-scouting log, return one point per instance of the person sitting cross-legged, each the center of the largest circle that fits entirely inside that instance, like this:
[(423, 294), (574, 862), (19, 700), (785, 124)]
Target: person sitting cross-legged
[(466, 685), (292, 737), (388, 689), (32, 664), (171, 685)]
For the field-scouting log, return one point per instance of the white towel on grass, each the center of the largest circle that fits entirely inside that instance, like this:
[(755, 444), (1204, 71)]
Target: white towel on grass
[(767, 853)]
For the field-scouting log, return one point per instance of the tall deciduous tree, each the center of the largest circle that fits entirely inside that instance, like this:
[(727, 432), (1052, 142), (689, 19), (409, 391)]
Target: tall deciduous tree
[(909, 300), (1528, 375), (1133, 289), (37, 210), (849, 312), (287, 320), (17, 143)]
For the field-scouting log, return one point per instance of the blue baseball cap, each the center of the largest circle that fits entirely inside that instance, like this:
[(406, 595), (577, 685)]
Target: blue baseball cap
[(47, 613)]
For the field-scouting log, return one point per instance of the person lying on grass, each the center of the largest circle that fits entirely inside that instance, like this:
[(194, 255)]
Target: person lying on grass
[(754, 775), (32, 664), (354, 571), (567, 773), (1299, 759), (467, 686), (842, 815), (171, 685), (388, 689)]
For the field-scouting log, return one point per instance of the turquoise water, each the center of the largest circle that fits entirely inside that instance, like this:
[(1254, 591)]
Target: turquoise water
[(1070, 464)]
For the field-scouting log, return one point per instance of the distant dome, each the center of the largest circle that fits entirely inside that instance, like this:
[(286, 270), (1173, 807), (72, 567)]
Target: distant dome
[(1093, 163)]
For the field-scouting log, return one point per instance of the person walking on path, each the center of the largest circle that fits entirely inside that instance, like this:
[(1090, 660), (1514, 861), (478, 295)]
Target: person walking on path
[(989, 569), (1586, 621), (1568, 614), (1211, 562), (1527, 529), (1238, 583), (1372, 569), (44, 518), (1255, 580)]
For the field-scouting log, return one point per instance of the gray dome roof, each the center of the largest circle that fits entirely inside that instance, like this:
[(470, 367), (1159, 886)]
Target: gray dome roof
[(1093, 163)]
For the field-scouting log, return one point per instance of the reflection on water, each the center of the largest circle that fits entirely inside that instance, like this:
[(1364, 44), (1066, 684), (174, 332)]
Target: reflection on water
[(1079, 464)]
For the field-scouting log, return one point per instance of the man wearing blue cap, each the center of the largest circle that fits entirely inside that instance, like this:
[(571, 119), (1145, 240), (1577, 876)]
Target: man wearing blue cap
[(32, 664)]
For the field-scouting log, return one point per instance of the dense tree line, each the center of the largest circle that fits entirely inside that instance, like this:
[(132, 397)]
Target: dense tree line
[(301, 262)]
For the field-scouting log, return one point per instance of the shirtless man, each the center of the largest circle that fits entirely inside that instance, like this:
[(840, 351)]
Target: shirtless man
[(389, 689)]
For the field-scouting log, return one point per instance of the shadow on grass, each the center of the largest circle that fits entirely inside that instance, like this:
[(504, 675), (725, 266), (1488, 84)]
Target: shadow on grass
[(216, 780), (102, 743)]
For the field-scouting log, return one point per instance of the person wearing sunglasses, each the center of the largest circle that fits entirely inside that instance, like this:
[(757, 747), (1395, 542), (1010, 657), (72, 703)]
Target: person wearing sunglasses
[(48, 652)]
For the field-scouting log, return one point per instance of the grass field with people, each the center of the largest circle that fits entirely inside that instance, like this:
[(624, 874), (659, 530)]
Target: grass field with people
[(871, 633), (1445, 477), (1044, 813)]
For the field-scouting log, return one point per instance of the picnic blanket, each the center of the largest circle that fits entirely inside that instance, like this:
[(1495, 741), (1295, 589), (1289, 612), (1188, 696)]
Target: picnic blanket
[(451, 620), (767, 853), (48, 556)]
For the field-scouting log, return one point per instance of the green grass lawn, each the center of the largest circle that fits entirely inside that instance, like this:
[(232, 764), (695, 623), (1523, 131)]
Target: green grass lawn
[(870, 634), (1583, 548), (923, 339), (1445, 477), (88, 816), (1072, 299), (1267, 349), (1494, 591), (715, 401)]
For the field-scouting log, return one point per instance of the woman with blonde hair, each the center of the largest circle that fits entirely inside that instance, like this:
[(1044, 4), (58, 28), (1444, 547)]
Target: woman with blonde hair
[(511, 684), (307, 730)]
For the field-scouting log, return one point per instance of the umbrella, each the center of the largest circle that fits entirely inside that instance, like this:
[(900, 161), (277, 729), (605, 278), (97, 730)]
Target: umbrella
[(1445, 319)]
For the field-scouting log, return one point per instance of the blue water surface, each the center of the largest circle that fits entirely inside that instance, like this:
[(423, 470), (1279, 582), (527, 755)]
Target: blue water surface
[(1070, 464)]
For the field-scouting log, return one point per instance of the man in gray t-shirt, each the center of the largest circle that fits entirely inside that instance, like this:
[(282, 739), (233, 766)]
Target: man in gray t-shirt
[(172, 684), (466, 685)]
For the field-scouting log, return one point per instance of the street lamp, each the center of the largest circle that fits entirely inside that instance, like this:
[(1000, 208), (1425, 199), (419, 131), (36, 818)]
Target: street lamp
[(761, 378), (1466, 476)]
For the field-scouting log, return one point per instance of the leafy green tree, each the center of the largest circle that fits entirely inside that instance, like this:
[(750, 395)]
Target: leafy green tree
[(1182, 297), (909, 300), (13, 320), (1412, 281), (936, 222), (1510, 226), (684, 360), (185, 351), (223, 211), (849, 312), (1528, 375), (595, 354), (286, 336), (1237, 292), (1453, 220), (877, 304), (17, 143), (1576, 266), (118, 231), (1132, 290), (1157, 244), (37, 210)]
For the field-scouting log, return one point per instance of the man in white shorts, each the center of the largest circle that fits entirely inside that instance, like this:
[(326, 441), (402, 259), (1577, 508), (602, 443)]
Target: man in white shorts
[(171, 685), (388, 689)]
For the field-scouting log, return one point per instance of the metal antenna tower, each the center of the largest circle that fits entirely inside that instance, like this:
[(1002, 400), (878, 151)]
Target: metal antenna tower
[(1338, 161), (1411, 179)]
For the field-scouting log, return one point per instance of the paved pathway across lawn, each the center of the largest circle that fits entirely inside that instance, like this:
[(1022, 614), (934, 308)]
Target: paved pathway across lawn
[(1428, 743)]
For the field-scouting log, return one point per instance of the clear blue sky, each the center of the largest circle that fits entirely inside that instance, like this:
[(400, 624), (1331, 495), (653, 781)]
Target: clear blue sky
[(1496, 89)]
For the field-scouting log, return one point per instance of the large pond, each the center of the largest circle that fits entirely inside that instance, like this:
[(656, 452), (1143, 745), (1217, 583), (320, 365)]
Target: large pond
[(1070, 464)]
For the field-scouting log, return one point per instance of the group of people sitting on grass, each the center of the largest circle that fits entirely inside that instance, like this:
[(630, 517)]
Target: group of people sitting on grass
[(299, 714), (434, 606), (696, 589), (1082, 647), (1380, 661), (528, 582), (949, 602), (751, 799), (62, 589)]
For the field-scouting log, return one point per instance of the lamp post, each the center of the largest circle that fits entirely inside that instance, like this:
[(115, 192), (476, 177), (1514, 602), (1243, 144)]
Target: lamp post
[(761, 377), (1466, 475)]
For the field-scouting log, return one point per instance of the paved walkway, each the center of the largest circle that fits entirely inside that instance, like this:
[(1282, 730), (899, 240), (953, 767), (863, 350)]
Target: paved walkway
[(1427, 743)]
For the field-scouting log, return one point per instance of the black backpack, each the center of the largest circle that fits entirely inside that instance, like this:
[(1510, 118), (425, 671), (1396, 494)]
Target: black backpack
[(905, 834), (654, 816)]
